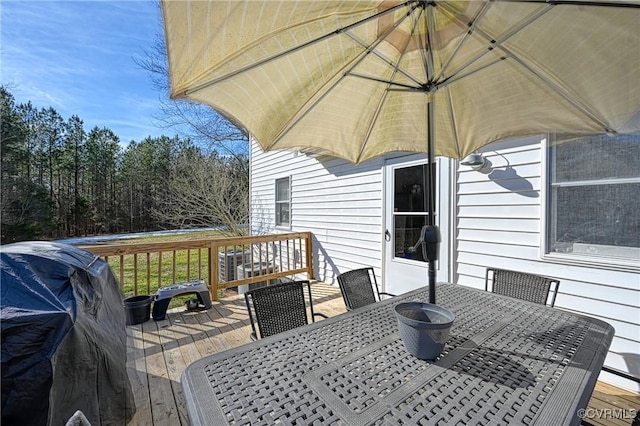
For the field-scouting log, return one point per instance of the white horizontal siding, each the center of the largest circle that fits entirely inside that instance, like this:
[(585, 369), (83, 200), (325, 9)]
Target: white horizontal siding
[(341, 204), (517, 211), (499, 224), (505, 224), (499, 237), (498, 197)]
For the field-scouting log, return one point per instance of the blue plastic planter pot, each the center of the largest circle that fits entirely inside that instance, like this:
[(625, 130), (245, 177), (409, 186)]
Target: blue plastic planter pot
[(424, 328)]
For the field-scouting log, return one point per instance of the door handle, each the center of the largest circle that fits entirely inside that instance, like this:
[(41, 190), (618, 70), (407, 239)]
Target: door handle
[(387, 235)]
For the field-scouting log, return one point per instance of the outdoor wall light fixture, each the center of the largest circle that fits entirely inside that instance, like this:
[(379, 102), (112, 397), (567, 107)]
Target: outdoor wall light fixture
[(475, 161)]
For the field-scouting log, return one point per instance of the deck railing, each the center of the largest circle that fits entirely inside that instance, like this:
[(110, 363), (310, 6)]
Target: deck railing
[(222, 263)]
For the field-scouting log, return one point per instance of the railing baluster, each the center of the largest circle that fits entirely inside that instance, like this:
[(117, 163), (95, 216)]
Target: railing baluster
[(188, 265), (148, 273), (288, 255), (234, 263), (309, 249), (173, 267), (160, 269), (122, 270), (213, 270), (135, 273)]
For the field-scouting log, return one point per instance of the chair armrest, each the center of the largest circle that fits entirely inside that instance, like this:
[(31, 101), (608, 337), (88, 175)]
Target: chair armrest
[(621, 373)]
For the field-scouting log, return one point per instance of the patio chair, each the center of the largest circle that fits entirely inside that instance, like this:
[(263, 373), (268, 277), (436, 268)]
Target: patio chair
[(357, 288), (279, 307), (521, 285), (636, 419)]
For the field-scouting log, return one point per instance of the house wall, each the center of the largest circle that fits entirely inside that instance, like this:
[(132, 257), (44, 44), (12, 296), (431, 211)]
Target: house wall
[(341, 204), (500, 224), (498, 221)]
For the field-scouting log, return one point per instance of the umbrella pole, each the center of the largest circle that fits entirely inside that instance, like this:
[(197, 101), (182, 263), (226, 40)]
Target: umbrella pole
[(430, 232)]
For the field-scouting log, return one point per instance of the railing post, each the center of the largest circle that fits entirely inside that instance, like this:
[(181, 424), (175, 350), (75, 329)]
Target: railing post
[(214, 276), (309, 253)]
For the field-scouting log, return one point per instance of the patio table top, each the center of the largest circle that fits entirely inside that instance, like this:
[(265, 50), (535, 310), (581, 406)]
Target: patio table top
[(506, 362)]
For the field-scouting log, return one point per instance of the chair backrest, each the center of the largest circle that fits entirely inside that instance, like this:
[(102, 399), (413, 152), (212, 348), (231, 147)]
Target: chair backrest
[(358, 286), (521, 285), (279, 307)]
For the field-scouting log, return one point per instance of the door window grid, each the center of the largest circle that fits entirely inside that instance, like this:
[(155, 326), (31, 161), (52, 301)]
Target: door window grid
[(409, 210)]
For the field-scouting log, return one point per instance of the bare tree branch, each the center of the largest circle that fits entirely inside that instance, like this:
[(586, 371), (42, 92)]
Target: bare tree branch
[(199, 123), (206, 191)]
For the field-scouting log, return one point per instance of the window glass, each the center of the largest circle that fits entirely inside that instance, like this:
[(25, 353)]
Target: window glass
[(409, 210), (282, 189), (283, 202), (593, 196)]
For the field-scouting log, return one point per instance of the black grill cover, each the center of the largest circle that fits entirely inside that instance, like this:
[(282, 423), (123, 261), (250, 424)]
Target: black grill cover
[(63, 337)]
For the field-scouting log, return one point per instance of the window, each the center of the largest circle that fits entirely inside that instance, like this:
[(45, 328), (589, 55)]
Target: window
[(594, 187), (283, 202)]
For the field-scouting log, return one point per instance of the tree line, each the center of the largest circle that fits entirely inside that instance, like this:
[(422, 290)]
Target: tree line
[(58, 180)]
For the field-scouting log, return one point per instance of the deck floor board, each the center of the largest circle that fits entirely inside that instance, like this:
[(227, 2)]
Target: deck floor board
[(159, 351)]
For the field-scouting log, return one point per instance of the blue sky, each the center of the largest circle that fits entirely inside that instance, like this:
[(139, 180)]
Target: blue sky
[(79, 58)]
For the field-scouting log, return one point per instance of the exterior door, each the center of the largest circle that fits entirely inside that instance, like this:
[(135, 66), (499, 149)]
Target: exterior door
[(406, 183)]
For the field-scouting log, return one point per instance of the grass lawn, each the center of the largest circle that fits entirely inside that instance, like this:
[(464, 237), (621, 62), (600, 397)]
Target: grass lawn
[(173, 266)]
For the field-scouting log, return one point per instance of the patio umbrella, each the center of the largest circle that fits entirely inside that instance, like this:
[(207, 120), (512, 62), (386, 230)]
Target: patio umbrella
[(359, 79)]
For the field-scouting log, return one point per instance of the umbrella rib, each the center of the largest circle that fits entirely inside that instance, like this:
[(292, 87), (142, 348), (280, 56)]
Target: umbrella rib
[(303, 112), (499, 44), (371, 124), (389, 82), (562, 91), (494, 43), (428, 58), (575, 3), (399, 86), (471, 27), (454, 125), (368, 49), (422, 50), (450, 80), (371, 48), (396, 70), (559, 89), (335, 32)]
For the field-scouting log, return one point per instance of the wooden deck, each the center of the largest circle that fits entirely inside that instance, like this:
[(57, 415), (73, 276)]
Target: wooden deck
[(158, 353)]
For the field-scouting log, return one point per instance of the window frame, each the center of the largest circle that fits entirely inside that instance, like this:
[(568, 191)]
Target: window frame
[(277, 203), (578, 259)]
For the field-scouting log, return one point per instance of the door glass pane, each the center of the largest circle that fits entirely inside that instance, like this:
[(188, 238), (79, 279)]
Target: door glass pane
[(409, 189), (409, 210), (407, 234)]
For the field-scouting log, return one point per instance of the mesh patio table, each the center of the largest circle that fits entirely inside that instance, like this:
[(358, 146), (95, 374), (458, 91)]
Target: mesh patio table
[(506, 362)]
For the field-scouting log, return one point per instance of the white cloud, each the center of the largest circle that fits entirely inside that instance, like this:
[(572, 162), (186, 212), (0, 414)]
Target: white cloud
[(78, 57)]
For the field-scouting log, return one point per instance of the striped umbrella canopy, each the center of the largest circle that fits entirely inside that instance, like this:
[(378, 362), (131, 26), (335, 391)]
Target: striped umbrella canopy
[(354, 79), (358, 79)]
